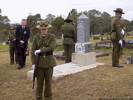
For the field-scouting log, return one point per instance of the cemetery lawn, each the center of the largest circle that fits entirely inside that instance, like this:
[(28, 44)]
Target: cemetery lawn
[(100, 82)]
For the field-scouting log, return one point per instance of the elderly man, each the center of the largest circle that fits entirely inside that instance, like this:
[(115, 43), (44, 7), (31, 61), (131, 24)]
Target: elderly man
[(22, 37)]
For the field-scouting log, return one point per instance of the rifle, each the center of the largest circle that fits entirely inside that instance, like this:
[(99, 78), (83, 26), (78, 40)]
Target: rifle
[(35, 69)]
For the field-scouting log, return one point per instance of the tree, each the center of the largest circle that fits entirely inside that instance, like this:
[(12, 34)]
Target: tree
[(99, 22), (32, 23), (73, 14), (129, 25), (94, 16), (0, 11), (106, 19), (49, 18), (56, 26), (4, 26)]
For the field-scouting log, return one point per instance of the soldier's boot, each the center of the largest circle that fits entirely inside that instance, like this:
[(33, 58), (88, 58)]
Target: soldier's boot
[(67, 61), (68, 58), (70, 51), (11, 62), (113, 62), (47, 98), (115, 58), (38, 98), (116, 61)]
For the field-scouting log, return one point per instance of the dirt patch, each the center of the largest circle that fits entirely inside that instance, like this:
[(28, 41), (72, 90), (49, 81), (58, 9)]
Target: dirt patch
[(99, 82)]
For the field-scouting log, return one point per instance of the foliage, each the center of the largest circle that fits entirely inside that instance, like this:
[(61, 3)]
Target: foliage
[(4, 26), (56, 26), (32, 23)]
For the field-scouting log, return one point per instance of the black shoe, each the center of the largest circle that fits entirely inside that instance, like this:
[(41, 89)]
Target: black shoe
[(19, 67), (23, 66), (38, 98)]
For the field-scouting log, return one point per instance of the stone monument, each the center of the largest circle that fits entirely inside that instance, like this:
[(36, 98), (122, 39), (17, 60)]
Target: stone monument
[(83, 48)]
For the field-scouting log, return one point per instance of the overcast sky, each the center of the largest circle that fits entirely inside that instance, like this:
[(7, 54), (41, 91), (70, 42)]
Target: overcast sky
[(19, 9)]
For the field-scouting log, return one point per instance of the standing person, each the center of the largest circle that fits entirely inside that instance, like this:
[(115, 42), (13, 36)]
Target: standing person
[(69, 35), (117, 37), (43, 46), (11, 41), (22, 37)]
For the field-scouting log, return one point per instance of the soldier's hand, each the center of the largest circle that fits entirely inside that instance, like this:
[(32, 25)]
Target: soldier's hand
[(37, 52), (33, 66), (14, 39), (21, 41), (122, 32), (121, 43)]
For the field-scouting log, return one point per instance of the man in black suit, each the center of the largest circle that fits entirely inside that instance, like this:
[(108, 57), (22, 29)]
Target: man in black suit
[(22, 36)]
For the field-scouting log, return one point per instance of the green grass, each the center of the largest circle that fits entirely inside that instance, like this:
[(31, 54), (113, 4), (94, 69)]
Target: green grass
[(3, 47), (59, 48)]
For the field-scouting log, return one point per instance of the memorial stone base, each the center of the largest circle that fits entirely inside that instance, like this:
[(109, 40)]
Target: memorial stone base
[(84, 59)]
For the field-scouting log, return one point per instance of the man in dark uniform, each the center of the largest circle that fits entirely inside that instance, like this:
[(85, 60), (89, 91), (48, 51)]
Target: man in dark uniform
[(69, 35), (22, 37), (11, 42), (117, 36), (43, 46)]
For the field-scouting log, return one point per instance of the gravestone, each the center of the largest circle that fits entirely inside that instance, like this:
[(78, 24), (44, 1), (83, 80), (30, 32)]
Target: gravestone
[(83, 33), (83, 55), (83, 29)]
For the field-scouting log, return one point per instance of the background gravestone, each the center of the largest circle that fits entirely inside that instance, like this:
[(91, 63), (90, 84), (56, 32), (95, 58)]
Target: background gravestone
[(83, 33)]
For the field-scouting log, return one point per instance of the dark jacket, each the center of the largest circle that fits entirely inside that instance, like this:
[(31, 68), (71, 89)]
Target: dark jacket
[(22, 34)]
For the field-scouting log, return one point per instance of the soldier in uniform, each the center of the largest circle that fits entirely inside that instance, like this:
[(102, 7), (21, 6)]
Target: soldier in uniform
[(11, 41), (22, 36), (43, 46), (69, 35), (117, 36)]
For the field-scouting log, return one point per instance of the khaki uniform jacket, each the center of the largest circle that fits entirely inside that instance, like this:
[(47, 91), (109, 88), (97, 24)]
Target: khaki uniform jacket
[(116, 26), (11, 38), (69, 33), (45, 44)]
